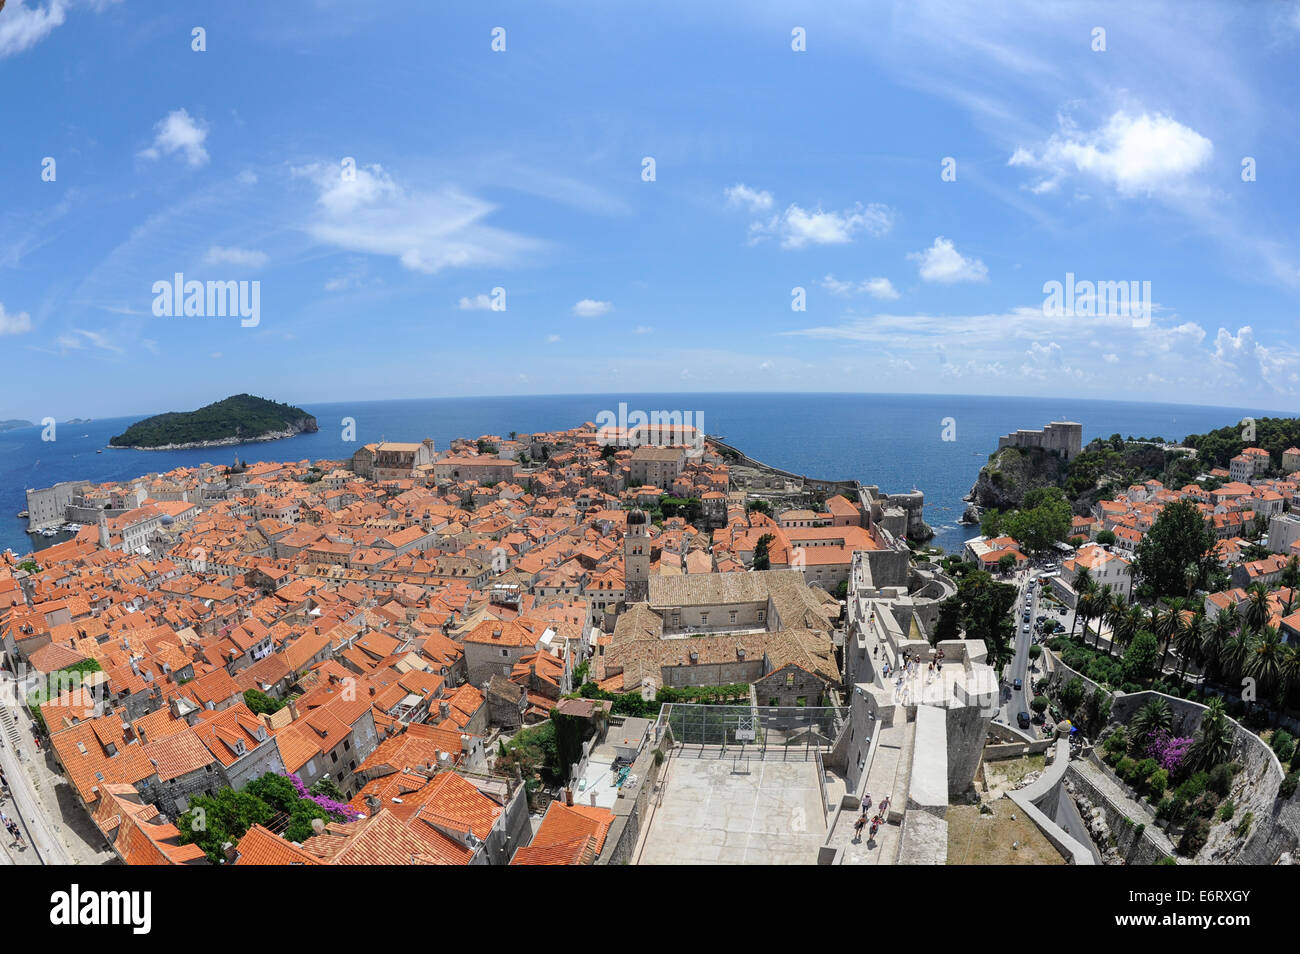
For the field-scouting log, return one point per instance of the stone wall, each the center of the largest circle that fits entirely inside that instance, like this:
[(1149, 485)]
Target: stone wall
[(1038, 799), (630, 806), (1135, 845)]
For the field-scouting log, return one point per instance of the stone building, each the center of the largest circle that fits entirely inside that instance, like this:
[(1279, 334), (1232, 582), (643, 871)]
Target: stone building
[(1063, 437)]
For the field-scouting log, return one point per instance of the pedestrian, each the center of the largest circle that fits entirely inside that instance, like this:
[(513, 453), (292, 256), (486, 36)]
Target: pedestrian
[(866, 803), (858, 825)]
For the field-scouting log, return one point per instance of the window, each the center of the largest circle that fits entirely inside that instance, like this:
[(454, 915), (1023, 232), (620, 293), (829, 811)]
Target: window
[(762, 616), (347, 745), (704, 619), (505, 652), (732, 616), (334, 758)]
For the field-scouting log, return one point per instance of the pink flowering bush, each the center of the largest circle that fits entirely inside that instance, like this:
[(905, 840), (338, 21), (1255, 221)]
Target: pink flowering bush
[(338, 809), (1170, 751)]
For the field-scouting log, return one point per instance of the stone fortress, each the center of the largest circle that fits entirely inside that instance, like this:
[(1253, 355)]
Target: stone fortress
[(1064, 437)]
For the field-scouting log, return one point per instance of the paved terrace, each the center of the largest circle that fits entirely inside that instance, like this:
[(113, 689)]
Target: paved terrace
[(711, 808)]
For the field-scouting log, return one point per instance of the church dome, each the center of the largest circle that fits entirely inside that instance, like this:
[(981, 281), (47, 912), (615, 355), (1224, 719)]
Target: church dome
[(636, 518)]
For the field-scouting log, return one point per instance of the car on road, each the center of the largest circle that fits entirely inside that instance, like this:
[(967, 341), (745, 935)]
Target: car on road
[(1023, 720), (1017, 685)]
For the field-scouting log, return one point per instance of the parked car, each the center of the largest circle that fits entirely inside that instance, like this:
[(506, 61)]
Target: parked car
[(1017, 685), (1023, 720)]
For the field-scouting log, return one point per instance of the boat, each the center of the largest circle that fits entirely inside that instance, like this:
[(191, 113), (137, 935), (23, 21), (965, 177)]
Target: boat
[(48, 533), (23, 514), (100, 451)]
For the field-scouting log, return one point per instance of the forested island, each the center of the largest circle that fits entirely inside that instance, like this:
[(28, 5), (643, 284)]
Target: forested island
[(13, 425), (240, 419)]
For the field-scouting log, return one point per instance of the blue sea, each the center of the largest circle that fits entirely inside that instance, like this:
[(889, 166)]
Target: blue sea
[(894, 441)]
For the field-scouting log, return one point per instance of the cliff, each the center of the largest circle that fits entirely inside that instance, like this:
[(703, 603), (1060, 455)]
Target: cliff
[(1011, 473)]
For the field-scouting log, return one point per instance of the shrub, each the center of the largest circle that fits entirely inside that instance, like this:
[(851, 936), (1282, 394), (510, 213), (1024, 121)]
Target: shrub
[(1194, 837), (1288, 786), (1243, 826), (1205, 805), (1145, 769), (1220, 780), (1157, 783), (1168, 860), (1192, 787), (1039, 704), (1117, 741), (1286, 751), (1227, 810), (1124, 768)]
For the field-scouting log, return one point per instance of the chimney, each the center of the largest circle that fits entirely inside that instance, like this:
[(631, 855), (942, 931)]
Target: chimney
[(293, 710), (318, 825), (228, 849), (444, 710), (373, 805), (568, 797)]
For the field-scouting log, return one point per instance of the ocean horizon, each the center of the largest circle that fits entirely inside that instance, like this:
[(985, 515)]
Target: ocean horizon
[(895, 441)]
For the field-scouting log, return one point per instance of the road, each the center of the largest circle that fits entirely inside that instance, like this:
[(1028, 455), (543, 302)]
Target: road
[(1015, 700)]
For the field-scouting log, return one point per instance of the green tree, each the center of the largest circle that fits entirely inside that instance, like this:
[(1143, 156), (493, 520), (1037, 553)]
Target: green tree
[(1139, 660), (762, 561), (1213, 742), (1178, 539), (259, 702)]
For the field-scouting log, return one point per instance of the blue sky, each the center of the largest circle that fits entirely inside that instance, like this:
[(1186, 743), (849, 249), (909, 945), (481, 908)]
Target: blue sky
[(522, 170)]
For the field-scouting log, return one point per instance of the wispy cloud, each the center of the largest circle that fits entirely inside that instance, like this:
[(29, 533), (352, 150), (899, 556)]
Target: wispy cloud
[(366, 210), (244, 258)]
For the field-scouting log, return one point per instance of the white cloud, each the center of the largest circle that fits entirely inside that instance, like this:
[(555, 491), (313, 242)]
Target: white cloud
[(12, 323), (552, 339), (22, 27), (941, 262), (875, 287), (247, 177), (590, 308), (177, 132), (477, 303), (642, 330), (752, 200), (1252, 361), (426, 231), (242, 257), (799, 227), (1134, 153)]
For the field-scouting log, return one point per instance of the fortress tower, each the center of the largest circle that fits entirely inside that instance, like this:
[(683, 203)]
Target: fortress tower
[(636, 558)]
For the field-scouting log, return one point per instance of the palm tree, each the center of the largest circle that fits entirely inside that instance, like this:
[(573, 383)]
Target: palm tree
[(1213, 742), (1116, 610), (1290, 669), (1130, 624), (1191, 577), (1164, 625), (1236, 650), (1187, 640), (1082, 583), (1152, 717), (1214, 637), (1264, 664), (1257, 608)]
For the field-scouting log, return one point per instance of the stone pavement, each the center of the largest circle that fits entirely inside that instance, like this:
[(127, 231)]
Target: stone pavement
[(55, 824), (887, 777)]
